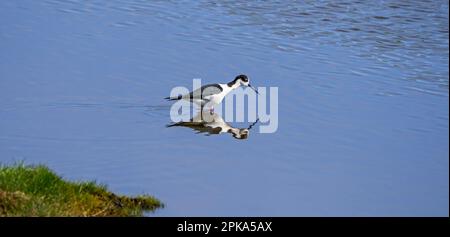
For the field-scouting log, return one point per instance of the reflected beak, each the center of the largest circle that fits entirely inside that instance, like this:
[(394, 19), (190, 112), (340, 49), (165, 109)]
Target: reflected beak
[(253, 88)]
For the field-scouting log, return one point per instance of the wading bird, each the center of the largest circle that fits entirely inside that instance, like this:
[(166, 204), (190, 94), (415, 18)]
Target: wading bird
[(212, 94)]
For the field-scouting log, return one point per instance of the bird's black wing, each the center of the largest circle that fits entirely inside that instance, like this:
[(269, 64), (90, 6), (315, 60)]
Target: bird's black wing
[(206, 90)]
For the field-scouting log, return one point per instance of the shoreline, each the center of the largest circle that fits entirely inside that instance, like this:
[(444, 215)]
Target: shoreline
[(35, 190)]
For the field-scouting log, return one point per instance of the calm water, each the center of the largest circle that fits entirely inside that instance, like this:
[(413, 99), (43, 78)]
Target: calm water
[(363, 93)]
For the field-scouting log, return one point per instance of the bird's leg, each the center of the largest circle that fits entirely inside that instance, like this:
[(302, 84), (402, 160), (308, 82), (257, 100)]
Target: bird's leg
[(201, 112)]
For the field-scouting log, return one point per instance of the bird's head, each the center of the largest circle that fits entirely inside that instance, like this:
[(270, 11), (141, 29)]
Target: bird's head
[(244, 81)]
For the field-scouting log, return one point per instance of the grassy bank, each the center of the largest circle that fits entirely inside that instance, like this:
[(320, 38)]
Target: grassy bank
[(37, 191)]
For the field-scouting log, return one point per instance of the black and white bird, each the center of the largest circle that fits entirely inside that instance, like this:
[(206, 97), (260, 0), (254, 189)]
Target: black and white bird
[(212, 94)]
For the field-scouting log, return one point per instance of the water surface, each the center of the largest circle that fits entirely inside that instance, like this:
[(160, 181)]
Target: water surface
[(363, 102)]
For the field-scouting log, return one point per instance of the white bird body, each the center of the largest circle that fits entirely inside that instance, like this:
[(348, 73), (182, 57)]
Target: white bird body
[(217, 98)]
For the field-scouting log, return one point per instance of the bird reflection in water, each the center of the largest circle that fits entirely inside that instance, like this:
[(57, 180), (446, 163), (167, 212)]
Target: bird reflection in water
[(212, 124)]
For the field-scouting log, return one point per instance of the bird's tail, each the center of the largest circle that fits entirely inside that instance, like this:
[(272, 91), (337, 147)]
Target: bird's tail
[(173, 98)]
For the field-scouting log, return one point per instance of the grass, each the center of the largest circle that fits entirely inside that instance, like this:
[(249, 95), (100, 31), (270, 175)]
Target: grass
[(37, 191)]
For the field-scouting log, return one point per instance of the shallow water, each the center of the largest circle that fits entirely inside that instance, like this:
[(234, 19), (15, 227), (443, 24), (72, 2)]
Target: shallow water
[(363, 102)]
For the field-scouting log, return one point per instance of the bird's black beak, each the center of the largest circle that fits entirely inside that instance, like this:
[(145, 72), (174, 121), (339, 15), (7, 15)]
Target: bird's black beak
[(253, 88)]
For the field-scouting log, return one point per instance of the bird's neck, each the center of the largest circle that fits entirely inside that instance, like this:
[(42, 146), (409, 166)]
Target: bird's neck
[(234, 84)]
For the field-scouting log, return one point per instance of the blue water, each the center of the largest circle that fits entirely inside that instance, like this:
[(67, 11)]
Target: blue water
[(363, 102)]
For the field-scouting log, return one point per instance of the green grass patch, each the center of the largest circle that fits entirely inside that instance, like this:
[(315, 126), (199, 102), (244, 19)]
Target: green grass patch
[(37, 191)]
